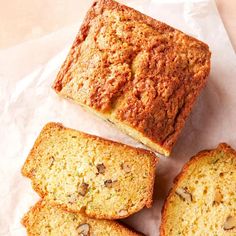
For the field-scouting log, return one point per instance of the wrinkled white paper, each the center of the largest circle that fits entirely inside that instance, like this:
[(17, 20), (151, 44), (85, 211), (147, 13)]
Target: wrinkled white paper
[(27, 103)]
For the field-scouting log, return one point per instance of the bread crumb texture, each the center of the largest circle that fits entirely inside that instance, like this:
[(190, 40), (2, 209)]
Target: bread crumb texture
[(203, 199), (44, 219), (139, 73), (85, 173)]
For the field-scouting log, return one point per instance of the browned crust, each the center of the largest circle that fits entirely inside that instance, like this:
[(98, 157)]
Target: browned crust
[(202, 154), (34, 209), (59, 82), (97, 8), (53, 125), (41, 203)]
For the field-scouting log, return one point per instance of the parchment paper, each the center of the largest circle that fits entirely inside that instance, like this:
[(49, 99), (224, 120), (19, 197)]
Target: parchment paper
[(27, 102)]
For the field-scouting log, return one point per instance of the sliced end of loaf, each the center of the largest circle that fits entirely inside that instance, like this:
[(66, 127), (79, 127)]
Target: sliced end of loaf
[(203, 198)]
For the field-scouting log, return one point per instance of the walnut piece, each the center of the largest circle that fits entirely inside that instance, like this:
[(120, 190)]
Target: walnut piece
[(83, 189), (108, 183), (123, 212), (230, 223), (83, 229), (126, 167), (184, 194), (101, 168)]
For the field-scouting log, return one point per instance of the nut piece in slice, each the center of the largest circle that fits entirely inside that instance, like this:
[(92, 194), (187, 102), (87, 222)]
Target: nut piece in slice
[(83, 189), (108, 183), (101, 168), (230, 223), (99, 195), (83, 229), (123, 212), (184, 194), (202, 201), (46, 220)]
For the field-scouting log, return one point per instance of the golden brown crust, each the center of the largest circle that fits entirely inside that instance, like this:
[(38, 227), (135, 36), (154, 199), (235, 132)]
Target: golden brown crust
[(202, 154), (119, 65), (35, 210), (51, 125), (32, 161)]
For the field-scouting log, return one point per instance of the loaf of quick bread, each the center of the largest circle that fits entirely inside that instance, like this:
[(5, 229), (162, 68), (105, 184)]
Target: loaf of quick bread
[(84, 173), (46, 220), (203, 198), (136, 72)]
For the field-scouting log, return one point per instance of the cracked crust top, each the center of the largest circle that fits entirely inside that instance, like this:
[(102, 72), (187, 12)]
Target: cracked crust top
[(135, 71)]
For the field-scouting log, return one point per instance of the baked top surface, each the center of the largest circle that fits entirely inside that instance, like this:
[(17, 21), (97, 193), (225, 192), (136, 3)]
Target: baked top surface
[(202, 200), (84, 173), (44, 219), (136, 70)]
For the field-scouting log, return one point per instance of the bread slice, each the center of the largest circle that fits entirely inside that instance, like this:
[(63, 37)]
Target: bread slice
[(44, 219), (203, 198), (85, 173), (136, 72)]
